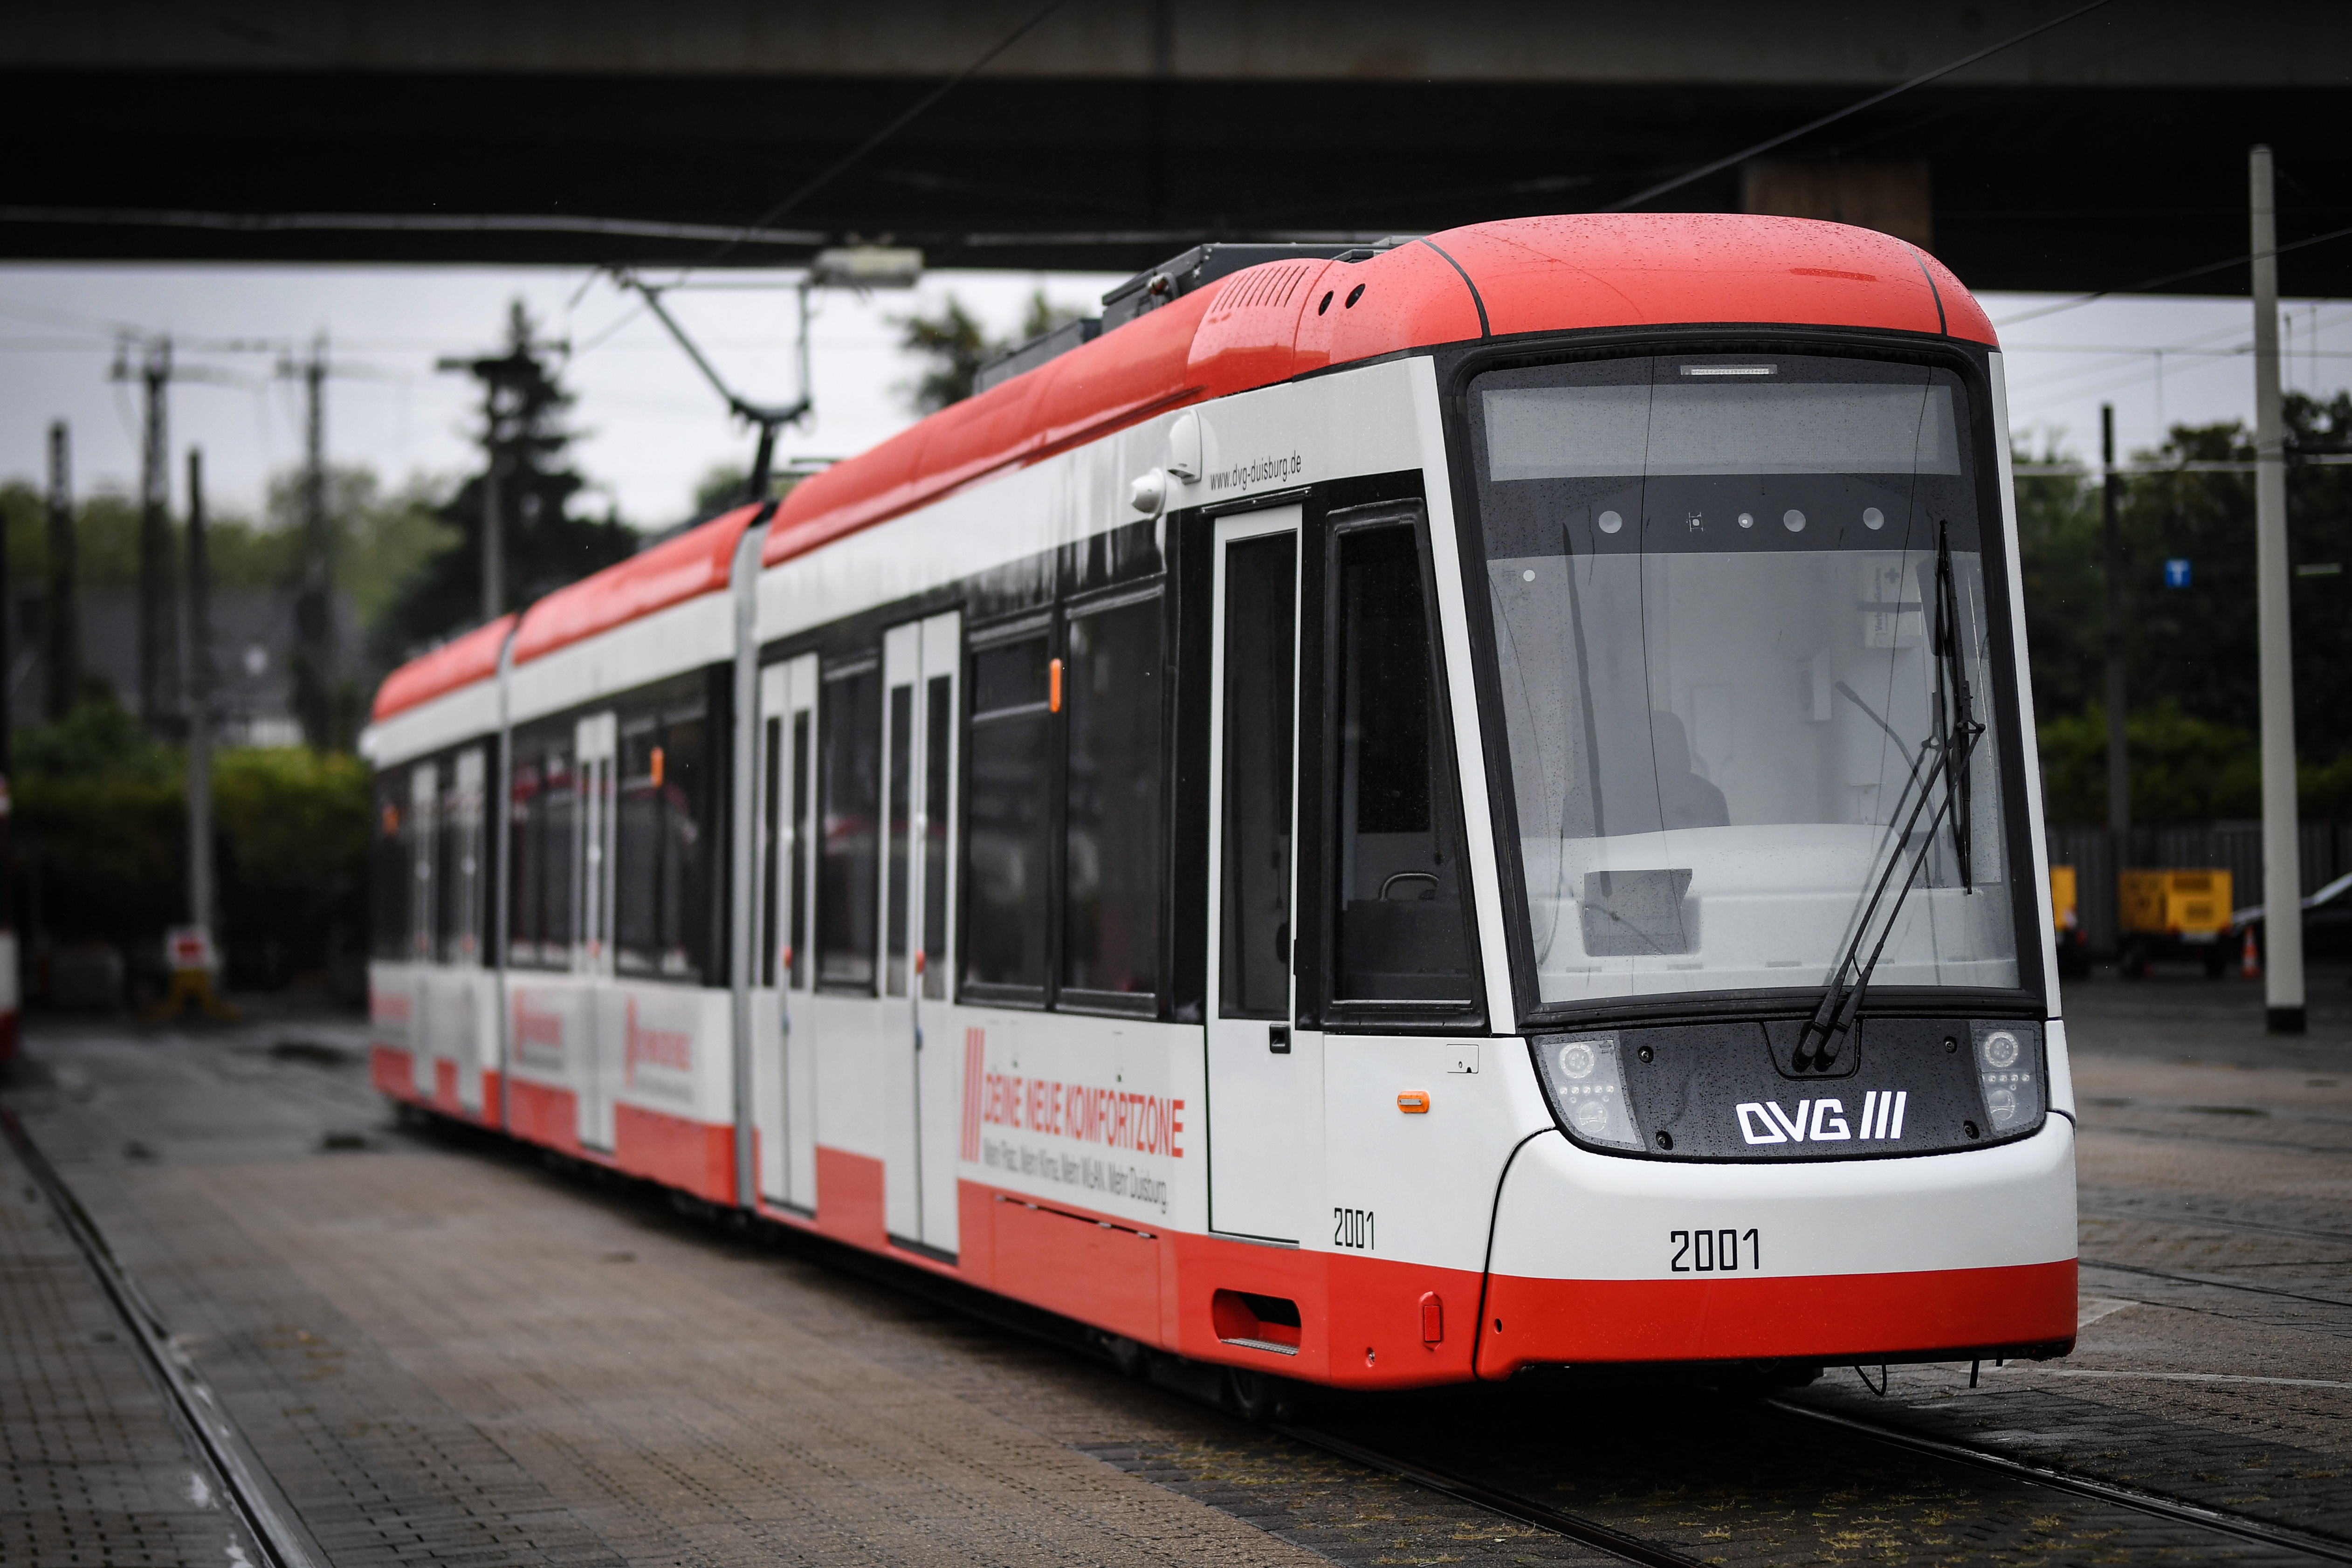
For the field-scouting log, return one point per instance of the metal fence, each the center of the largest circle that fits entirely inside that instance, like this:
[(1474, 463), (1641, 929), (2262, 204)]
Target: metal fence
[(2233, 846)]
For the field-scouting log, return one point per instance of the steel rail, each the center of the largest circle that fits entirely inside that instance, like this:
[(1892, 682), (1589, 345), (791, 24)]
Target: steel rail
[(243, 1479), (2172, 1509), (1591, 1533)]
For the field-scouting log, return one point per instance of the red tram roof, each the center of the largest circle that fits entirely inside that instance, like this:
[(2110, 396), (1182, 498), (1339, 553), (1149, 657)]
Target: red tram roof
[(460, 661), (697, 561), (1263, 325)]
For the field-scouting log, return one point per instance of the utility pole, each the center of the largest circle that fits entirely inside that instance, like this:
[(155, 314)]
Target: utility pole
[(2282, 835), (2118, 747), (314, 603), (200, 704), (61, 613), (504, 379), (494, 532), (157, 632)]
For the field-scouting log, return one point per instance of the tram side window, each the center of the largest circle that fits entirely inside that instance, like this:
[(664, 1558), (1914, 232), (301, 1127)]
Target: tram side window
[(1111, 842), (1008, 815), (849, 728), (803, 788), (419, 831), (388, 867), (460, 876), (662, 892), (1399, 935), (540, 808)]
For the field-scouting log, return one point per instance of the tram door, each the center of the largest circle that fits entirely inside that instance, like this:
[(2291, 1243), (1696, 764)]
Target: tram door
[(922, 1066), (592, 836), (1254, 1091), (423, 938), (783, 1056)]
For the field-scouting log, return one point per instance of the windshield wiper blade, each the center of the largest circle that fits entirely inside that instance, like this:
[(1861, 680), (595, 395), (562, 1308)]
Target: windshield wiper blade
[(1952, 671), (1826, 1030)]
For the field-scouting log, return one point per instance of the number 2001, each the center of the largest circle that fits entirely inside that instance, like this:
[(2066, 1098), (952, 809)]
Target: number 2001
[(1352, 1229), (1714, 1251)]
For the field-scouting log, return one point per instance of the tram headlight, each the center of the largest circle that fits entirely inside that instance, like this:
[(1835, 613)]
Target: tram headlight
[(2010, 1070), (1587, 1091)]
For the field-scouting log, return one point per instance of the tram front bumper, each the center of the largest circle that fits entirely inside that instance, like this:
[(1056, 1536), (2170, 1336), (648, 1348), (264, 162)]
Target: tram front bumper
[(1599, 1259)]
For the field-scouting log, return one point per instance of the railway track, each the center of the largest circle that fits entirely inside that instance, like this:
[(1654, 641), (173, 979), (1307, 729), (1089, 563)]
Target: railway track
[(2220, 1521), (1632, 1549), (231, 1468)]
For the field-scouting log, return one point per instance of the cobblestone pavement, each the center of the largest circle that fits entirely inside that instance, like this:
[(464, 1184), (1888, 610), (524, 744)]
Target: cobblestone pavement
[(92, 1466), (446, 1354)]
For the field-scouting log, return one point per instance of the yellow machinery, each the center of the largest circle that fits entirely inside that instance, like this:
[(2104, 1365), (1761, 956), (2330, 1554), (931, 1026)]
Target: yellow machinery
[(2065, 915), (2174, 914)]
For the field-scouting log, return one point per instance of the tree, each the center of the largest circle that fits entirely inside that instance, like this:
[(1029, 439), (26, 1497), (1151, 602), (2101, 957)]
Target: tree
[(525, 440), (2192, 665), (956, 347)]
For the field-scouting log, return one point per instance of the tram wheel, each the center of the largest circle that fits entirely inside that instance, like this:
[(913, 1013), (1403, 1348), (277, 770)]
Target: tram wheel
[(1257, 1397)]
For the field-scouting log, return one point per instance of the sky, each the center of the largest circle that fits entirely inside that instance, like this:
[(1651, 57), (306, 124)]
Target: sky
[(650, 427)]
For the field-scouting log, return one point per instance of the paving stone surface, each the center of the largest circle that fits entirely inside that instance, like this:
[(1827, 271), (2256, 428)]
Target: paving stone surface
[(92, 1468), (448, 1354)]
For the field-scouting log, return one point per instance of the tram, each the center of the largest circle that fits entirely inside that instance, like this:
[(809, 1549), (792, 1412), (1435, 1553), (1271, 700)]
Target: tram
[(1393, 815)]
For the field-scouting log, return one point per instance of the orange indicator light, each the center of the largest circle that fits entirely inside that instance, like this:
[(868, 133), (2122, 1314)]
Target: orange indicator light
[(1053, 686), (1413, 1102)]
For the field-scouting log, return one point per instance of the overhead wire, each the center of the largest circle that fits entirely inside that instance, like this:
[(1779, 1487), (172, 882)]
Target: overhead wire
[(842, 166), (1876, 99)]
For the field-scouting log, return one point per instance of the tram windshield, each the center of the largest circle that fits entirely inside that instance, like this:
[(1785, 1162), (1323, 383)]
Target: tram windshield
[(1715, 589)]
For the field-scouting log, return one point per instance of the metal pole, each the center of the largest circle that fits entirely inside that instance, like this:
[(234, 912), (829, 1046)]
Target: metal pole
[(199, 703), (494, 564), (314, 614), (2118, 749), (155, 630), (61, 616), (2281, 867)]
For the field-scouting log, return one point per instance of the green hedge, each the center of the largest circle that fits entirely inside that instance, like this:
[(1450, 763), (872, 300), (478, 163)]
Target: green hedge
[(101, 854)]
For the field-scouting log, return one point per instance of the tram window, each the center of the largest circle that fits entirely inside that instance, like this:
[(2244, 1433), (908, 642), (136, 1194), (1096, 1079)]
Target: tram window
[(938, 737), (1111, 843), (526, 922), (388, 867), (1399, 907), (661, 896), (423, 804), (772, 759), (1008, 879), (461, 876), (1253, 922), (898, 871), (851, 726), (553, 813), (798, 926)]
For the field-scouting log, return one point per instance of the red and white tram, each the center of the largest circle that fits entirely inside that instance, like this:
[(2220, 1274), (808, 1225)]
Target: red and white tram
[(1394, 816)]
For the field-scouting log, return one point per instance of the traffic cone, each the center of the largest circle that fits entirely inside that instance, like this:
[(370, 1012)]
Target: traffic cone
[(2250, 958)]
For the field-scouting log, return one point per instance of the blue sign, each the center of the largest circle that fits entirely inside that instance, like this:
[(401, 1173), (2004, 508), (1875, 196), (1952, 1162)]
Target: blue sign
[(2176, 573)]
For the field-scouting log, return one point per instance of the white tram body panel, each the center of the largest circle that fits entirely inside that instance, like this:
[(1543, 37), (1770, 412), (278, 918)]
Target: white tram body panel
[(776, 909)]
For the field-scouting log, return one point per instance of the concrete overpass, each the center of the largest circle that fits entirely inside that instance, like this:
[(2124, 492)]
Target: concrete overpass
[(2099, 153)]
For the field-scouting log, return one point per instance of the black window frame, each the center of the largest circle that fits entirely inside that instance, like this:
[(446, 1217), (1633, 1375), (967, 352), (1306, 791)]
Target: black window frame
[(1072, 999), (699, 697), (1331, 1012), (1053, 622), (978, 640), (866, 662)]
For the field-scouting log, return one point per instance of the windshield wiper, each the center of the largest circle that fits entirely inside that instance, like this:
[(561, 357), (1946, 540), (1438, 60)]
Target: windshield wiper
[(1953, 679), (1825, 1031)]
